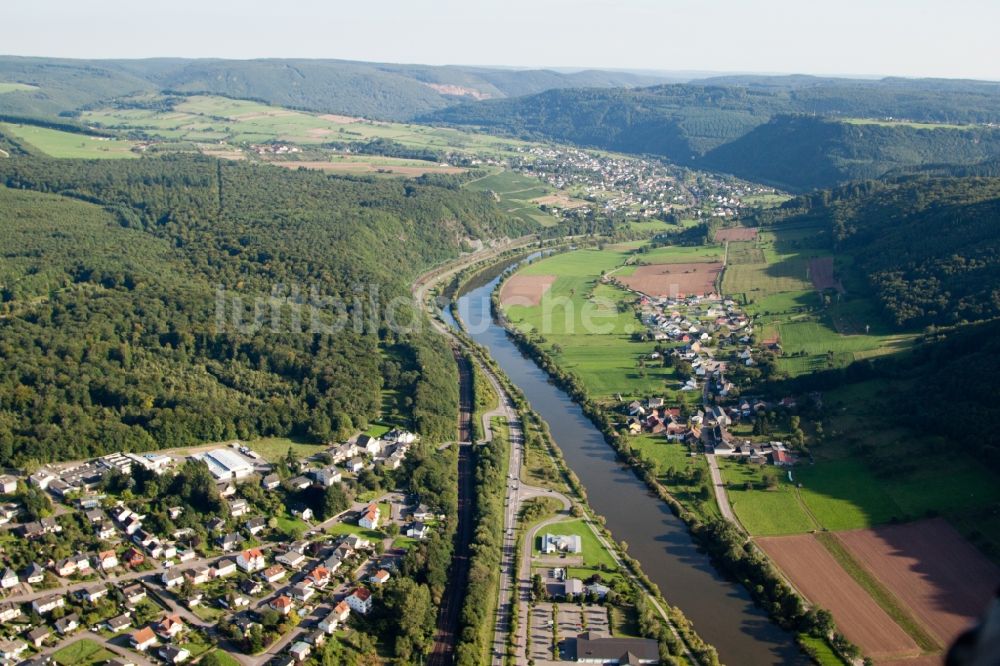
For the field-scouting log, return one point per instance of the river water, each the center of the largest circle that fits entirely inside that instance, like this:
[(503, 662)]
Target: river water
[(721, 611)]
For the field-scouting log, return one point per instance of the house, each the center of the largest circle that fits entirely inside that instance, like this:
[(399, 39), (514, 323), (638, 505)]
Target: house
[(417, 530), (327, 476), (360, 600), (370, 445), (594, 649), (299, 483), (215, 525), (238, 508), (781, 458), (38, 635), (228, 542), (255, 525), (330, 623), (175, 512), (9, 611), (300, 650), (333, 563), (198, 576), (320, 576), (223, 568), (355, 542), (292, 559), (302, 511), (134, 558), (105, 531), (369, 517), (341, 611), (143, 639), (635, 408), (597, 590), (93, 594), (422, 513), (302, 592), (34, 574), (355, 465), (8, 484), (271, 482), (171, 578), (168, 627), (561, 543), (106, 559), (118, 623), (316, 638), (9, 511), (173, 654), (133, 594), (48, 604), (68, 624), (65, 567), (10, 651), (250, 560), (380, 577), (9, 579), (282, 604), (273, 574)]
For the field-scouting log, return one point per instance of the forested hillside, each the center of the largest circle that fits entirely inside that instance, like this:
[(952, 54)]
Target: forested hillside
[(110, 337), (754, 130), (375, 90), (929, 247), (805, 152)]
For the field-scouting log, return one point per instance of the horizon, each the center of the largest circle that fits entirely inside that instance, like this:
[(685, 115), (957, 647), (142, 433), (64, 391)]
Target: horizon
[(894, 39)]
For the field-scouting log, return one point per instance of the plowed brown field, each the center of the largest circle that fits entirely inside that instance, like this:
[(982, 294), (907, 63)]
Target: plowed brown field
[(675, 279), (941, 577), (818, 576)]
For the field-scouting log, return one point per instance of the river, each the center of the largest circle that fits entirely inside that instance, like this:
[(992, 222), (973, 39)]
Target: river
[(722, 612)]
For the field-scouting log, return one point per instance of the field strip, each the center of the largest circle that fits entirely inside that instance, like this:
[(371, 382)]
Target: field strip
[(893, 607), (805, 508)]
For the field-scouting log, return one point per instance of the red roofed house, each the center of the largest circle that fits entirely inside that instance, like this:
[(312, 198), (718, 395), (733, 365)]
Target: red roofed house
[(360, 600)]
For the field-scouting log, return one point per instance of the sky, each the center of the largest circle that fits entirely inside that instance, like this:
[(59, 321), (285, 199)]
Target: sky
[(955, 39)]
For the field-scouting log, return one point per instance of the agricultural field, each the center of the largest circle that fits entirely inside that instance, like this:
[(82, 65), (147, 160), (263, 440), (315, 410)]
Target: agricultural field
[(777, 278), (355, 164), (818, 576), (587, 325), (211, 119), (674, 279), (69, 145), (517, 194), (942, 580), (6, 87)]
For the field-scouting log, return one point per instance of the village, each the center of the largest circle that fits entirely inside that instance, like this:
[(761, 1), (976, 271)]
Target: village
[(269, 575), (710, 342), (635, 188)]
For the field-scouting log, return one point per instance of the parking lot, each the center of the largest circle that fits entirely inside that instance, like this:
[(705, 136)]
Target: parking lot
[(540, 634)]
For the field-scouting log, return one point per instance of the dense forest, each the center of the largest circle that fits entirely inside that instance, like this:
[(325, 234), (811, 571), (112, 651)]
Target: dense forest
[(115, 336), (753, 130), (929, 247), (804, 152), (374, 90)]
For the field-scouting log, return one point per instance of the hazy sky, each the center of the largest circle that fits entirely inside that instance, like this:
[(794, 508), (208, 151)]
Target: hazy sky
[(958, 38)]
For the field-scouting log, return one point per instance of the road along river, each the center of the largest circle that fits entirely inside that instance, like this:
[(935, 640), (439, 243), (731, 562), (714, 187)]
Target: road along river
[(721, 611)]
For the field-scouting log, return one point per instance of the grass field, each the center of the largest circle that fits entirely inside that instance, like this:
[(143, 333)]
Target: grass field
[(83, 652), (902, 123), (584, 329), (594, 555), (15, 87), (672, 455), (55, 143), (273, 449)]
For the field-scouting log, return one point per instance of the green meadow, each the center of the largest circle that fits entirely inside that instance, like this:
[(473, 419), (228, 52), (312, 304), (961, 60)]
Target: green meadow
[(15, 87), (55, 143), (587, 326)]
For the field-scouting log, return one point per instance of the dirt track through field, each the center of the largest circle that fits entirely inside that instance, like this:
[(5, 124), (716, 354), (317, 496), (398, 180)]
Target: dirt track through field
[(818, 576), (695, 279), (525, 289), (942, 578), (368, 167)]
